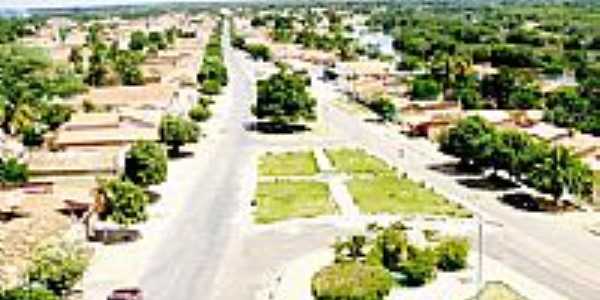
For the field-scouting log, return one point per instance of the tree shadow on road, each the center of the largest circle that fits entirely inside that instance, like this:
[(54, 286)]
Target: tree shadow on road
[(527, 202), (454, 169), (275, 128), (489, 183)]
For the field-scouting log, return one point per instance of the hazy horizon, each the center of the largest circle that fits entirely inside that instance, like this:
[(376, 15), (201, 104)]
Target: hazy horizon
[(84, 3)]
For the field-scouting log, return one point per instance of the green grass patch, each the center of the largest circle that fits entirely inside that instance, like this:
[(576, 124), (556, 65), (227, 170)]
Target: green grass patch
[(288, 164), (388, 194), (356, 161), (282, 200), (497, 291)]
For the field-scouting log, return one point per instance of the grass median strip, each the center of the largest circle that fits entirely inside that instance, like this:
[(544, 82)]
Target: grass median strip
[(388, 194), (356, 161), (281, 200), (288, 164)]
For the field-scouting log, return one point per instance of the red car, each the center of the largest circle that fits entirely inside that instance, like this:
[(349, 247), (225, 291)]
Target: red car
[(126, 294)]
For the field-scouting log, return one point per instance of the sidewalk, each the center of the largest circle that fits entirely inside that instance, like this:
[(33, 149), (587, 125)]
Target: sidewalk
[(122, 265)]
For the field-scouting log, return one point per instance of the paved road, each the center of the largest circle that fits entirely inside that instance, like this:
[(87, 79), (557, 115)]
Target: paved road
[(186, 262), (563, 259)]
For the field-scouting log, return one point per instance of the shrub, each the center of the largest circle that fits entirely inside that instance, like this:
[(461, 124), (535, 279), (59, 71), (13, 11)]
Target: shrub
[(424, 89), (211, 87), (351, 281), (176, 132), (420, 268), (13, 172), (124, 202), (146, 163), (27, 293), (33, 136), (58, 267), (452, 254), (200, 113)]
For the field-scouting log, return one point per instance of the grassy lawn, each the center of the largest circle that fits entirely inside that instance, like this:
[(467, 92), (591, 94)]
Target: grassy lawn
[(356, 161), (497, 291), (388, 194), (282, 200), (288, 164)]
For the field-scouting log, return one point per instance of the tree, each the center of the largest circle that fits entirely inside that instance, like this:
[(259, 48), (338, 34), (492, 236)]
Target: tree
[(560, 171), (211, 87), (13, 172), (176, 132), (98, 66), (158, 39), (468, 140), (58, 267), (425, 89), (28, 293), (452, 254), (127, 66), (200, 113), (421, 266), (146, 163), (259, 52), (76, 58), (138, 41), (385, 108), (283, 98), (33, 136), (124, 202), (53, 115)]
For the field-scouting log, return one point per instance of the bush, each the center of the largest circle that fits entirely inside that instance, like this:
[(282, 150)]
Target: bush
[(211, 87), (58, 267), (33, 136), (176, 132), (124, 202), (420, 268), (425, 89), (351, 281), (452, 254), (146, 163), (27, 293), (13, 172), (200, 113)]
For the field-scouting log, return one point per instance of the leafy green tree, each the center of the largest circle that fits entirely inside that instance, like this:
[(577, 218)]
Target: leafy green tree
[(13, 172), (283, 98), (98, 66), (176, 131), (33, 136), (259, 52), (211, 87), (76, 58), (452, 254), (158, 39), (127, 66), (146, 163), (200, 113), (558, 171), (58, 268), (28, 293), (421, 266), (55, 114), (385, 108), (124, 202), (425, 89), (138, 41), (467, 140)]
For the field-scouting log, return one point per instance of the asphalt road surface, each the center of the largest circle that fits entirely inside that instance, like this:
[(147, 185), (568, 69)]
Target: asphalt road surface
[(565, 260), (186, 262)]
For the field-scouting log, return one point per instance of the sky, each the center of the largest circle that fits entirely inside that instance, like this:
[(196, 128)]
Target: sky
[(62, 3)]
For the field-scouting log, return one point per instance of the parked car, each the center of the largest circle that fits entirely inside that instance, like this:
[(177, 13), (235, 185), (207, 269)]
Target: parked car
[(126, 294)]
